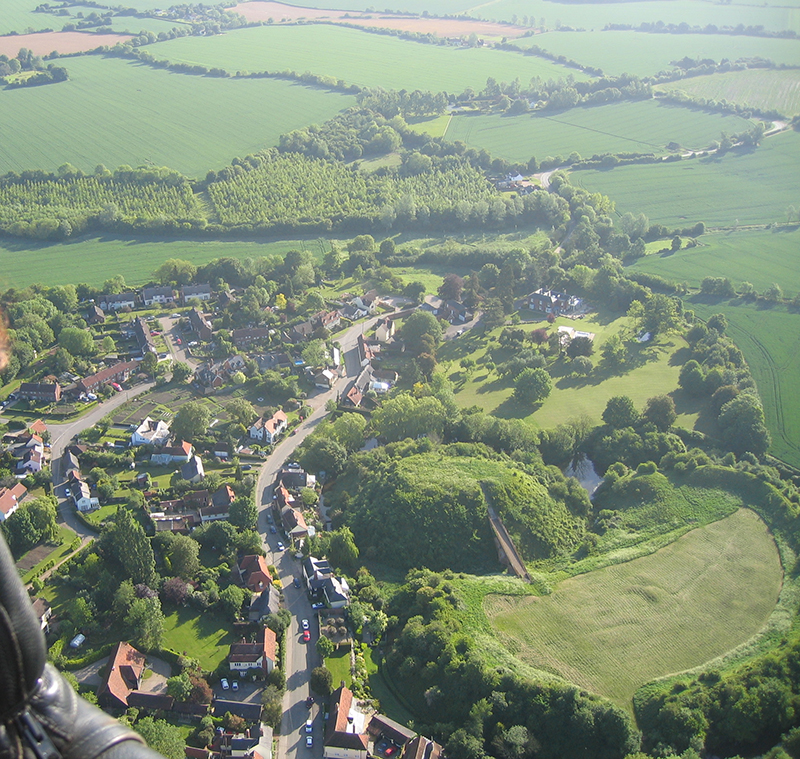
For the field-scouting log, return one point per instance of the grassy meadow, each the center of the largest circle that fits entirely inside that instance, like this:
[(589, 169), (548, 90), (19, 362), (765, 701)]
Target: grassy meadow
[(758, 88), (93, 260), (641, 127), (689, 602), (760, 257), (18, 15), (739, 188), (357, 57), (654, 371), (203, 636), (118, 112), (644, 54)]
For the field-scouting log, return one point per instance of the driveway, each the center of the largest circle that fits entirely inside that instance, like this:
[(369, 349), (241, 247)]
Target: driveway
[(156, 682)]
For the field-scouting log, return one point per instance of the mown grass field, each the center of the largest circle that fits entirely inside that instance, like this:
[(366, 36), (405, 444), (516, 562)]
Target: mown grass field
[(770, 341), (203, 636), (117, 112), (689, 602), (758, 88), (638, 127), (741, 187), (760, 257), (653, 371), (369, 60), (18, 15), (93, 260), (644, 54)]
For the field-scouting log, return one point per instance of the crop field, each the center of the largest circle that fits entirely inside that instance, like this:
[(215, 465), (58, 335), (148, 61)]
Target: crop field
[(641, 127), (644, 54), (653, 372), (117, 112), (63, 42), (134, 25), (758, 88), (770, 341), (738, 188), (689, 602), (94, 260), (760, 257), (357, 57), (18, 16)]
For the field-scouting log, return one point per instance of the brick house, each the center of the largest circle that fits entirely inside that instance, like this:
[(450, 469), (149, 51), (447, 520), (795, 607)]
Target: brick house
[(117, 373), (46, 392), (259, 655)]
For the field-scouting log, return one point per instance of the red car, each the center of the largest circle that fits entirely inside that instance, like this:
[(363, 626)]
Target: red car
[(306, 636)]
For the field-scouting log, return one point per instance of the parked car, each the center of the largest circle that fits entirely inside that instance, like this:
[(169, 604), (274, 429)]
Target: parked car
[(317, 605), (235, 685), (67, 492), (304, 624), (178, 341), (309, 741), (224, 683), (306, 636), (175, 316), (272, 529), (310, 701), (296, 582), (309, 725), (281, 547)]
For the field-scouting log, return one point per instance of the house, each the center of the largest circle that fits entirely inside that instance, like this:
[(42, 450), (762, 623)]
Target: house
[(210, 376), (300, 332), (383, 727), (351, 312), (433, 304), (197, 499), (69, 464), (223, 497), (95, 315), (551, 302), (31, 461), (151, 702), (10, 498), (43, 612), (226, 298), (367, 350), (82, 496), (253, 573), (123, 675), (329, 320), (117, 301), (567, 334), (181, 524), (263, 604), (325, 379), (354, 395), (242, 338), (152, 295), (267, 430), (251, 712), (172, 453), (295, 478), (117, 373), (420, 747), (259, 655), (323, 585), (200, 292), (385, 330), (141, 331), (151, 432), (45, 392), (37, 427), (193, 470), (457, 312), (345, 733), (200, 325), (294, 523)]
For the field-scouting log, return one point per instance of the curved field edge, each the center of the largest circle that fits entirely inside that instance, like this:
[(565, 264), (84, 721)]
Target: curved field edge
[(682, 588)]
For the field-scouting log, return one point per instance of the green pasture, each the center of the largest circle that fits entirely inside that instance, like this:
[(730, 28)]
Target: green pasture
[(758, 88), (653, 371), (738, 188), (643, 54), (760, 257), (770, 341), (435, 127), (18, 16), (357, 57), (135, 25), (639, 127), (689, 602), (93, 260), (116, 112), (204, 636)]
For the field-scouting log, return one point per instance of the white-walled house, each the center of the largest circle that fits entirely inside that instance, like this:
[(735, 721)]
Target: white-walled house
[(151, 432)]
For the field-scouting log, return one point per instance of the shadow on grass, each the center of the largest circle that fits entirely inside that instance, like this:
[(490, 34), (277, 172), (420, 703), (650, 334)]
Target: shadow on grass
[(513, 409), (688, 404)]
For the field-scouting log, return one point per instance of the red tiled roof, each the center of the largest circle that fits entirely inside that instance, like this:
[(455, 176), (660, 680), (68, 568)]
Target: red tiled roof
[(255, 574), (336, 732), (38, 427), (123, 673), (10, 497)]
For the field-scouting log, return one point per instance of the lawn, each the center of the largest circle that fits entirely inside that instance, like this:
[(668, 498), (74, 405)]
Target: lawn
[(643, 54), (202, 635), (378, 684), (770, 341), (357, 57), (45, 553), (640, 127), (758, 88), (739, 188), (94, 260), (678, 608), (760, 257), (118, 112), (654, 372), (339, 665)]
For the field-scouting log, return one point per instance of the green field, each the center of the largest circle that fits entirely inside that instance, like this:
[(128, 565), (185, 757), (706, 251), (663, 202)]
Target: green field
[(117, 112), (18, 15), (643, 54), (357, 57), (738, 188), (770, 341), (134, 25), (653, 374), (757, 88), (640, 127), (94, 260), (760, 257), (203, 636), (689, 602)]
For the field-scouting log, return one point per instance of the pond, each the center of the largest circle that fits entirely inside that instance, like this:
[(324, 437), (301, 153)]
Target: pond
[(582, 469)]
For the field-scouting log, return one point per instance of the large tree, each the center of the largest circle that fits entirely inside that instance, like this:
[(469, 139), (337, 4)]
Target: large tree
[(742, 427), (532, 386), (145, 623), (184, 556), (342, 549), (77, 342), (191, 421), (419, 325), (241, 410), (243, 512), (132, 549), (406, 416), (620, 412), (162, 737), (660, 410)]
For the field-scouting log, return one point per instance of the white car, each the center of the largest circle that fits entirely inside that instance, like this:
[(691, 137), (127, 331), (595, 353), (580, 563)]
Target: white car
[(281, 547), (304, 623), (224, 683)]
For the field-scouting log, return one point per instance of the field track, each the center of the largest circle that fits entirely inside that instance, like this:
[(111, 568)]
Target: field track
[(44, 43)]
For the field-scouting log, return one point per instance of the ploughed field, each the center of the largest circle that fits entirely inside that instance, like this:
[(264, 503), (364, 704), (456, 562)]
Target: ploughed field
[(616, 628)]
